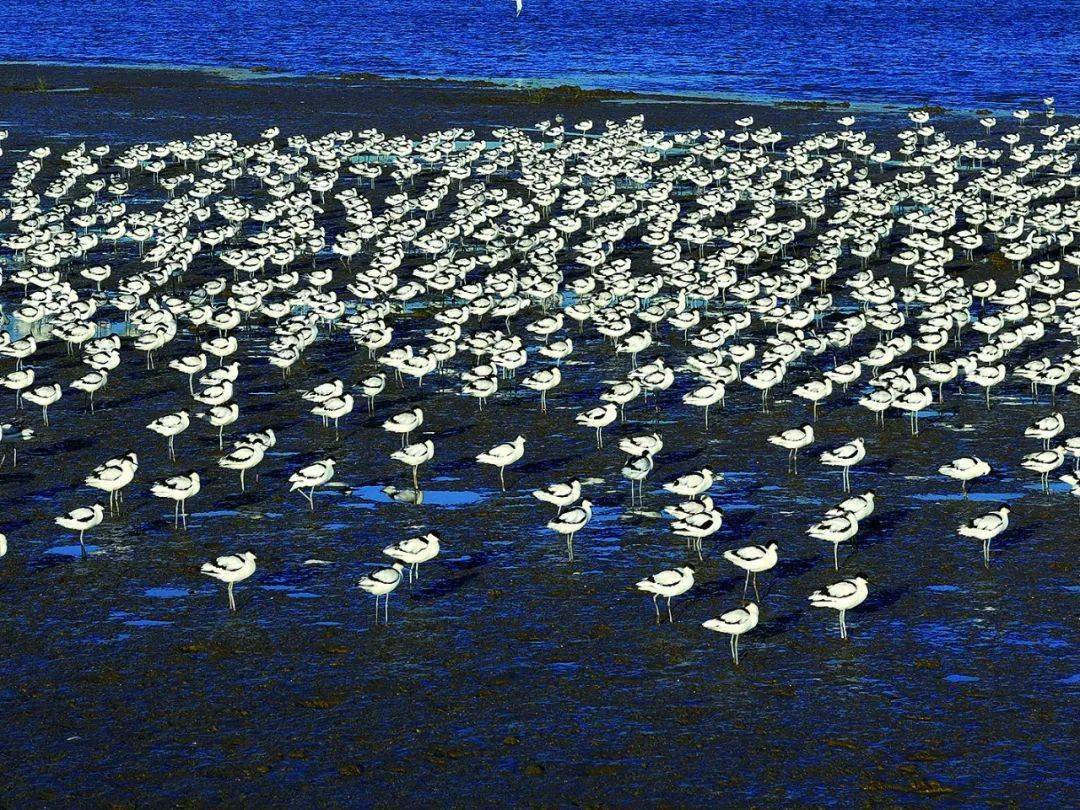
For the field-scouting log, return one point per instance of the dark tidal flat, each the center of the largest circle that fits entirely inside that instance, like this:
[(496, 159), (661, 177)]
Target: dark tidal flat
[(507, 675)]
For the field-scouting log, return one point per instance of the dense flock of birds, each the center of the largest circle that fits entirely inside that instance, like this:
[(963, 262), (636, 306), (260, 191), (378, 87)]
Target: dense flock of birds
[(714, 261)]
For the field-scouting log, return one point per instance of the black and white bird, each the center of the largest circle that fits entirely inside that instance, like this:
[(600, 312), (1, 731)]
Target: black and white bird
[(1044, 462), (598, 418), (178, 488), (113, 476), (170, 426), (692, 484), (667, 584), (845, 456), (986, 528), (381, 583), (502, 456), (414, 551), (570, 522), (311, 477), (560, 495), (414, 455), (753, 560), (734, 623), (965, 469), (404, 424), (82, 520), (793, 441), (231, 569), (638, 446), (842, 596), (836, 530), (243, 457)]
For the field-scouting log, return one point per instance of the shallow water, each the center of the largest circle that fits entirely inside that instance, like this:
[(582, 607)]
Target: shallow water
[(958, 53), (548, 682)]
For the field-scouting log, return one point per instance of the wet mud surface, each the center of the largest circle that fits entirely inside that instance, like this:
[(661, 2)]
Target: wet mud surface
[(507, 674)]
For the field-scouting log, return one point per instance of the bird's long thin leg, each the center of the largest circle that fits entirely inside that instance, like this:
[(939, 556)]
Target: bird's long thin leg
[(655, 605), (386, 609), (746, 584), (836, 556), (757, 596), (669, 616)]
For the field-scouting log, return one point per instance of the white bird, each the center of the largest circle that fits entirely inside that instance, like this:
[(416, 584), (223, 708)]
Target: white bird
[(382, 583), (170, 426), (692, 484), (734, 623), (814, 391), (638, 446), (698, 526), (636, 470), (667, 584), (44, 395), (243, 457), (113, 476), (913, 402), (190, 365), (793, 440), (503, 455), (231, 569), (405, 423), (371, 387), (560, 495), (1046, 429), (9, 433), (845, 456), (857, 507), (543, 381), (334, 408), (311, 477), (842, 596), (414, 455), (964, 469), (570, 522), (753, 560), (986, 528), (82, 520), (414, 551), (178, 488), (221, 416), (836, 530), (1044, 462), (598, 418)]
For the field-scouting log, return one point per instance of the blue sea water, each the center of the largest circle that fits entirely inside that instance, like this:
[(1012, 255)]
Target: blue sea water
[(953, 52)]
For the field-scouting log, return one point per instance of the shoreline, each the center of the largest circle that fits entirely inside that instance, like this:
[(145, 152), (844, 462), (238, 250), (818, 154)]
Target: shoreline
[(529, 91)]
